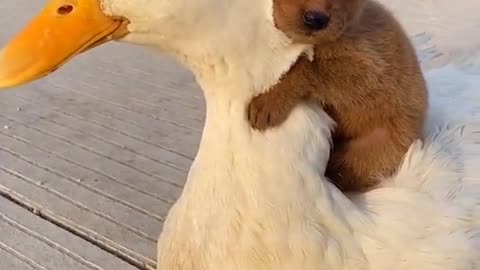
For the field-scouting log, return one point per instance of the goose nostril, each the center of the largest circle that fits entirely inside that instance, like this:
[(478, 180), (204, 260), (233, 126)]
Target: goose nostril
[(316, 20), (65, 9)]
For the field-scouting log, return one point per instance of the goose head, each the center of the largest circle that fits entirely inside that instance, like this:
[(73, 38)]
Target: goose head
[(211, 37)]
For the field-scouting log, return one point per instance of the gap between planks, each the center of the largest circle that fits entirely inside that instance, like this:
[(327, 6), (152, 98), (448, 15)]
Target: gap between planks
[(51, 218)]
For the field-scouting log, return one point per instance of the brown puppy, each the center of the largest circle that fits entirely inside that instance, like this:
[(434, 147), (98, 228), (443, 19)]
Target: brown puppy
[(366, 76)]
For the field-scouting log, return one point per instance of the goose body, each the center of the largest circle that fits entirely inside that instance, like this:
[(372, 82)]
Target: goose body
[(260, 200)]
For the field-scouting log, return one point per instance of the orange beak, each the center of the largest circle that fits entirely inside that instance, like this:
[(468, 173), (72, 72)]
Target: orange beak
[(64, 29)]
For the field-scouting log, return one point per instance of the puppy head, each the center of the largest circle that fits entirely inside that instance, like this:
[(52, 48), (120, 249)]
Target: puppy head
[(315, 21)]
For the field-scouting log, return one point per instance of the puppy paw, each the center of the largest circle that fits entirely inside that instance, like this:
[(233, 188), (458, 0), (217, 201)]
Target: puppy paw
[(266, 112)]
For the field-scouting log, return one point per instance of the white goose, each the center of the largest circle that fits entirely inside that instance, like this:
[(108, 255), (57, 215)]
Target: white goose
[(260, 201)]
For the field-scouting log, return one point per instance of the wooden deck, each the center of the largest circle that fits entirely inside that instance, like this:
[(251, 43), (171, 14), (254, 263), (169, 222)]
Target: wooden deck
[(92, 157)]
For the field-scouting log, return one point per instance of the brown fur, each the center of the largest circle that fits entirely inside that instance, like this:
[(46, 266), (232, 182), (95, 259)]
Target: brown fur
[(366, 76)]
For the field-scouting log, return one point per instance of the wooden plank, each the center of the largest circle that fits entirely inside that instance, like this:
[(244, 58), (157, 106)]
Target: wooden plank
[(72, 150), (157, 161), (12, 259), (106, 220), (176, 139), (29, 242)]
